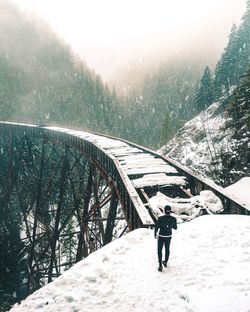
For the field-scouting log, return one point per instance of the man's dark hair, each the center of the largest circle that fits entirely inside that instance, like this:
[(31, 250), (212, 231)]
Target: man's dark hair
[(167, 209)]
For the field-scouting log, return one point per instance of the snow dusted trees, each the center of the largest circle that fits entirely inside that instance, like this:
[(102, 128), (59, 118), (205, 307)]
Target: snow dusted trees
[(235, 59), (43, 82), (226, 72), (165, 102), (237, 157), (9, 88), (239, 108), (205, 95)]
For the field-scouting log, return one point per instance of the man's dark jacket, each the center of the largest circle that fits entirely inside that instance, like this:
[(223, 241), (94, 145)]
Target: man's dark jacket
[(165, 223)]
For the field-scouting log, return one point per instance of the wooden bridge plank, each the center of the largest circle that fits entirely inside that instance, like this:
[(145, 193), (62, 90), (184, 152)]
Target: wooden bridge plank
[(158, 179)]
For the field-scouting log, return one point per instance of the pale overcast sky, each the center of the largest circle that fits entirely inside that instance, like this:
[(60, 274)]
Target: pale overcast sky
[(110, 33)]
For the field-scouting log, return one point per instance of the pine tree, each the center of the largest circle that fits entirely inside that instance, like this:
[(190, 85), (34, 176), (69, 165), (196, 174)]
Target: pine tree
[(239, 108), (237, 158), (9, 86), (170, 126), (205, 95), (235, 59), (227, 72), (244, 45)]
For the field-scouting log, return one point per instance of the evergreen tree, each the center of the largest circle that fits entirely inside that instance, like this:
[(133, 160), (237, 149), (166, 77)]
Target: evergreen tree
[(244, 38), (226, 72), (9, 88), (168, 93), (239, 108), (237, 157), (205, 95), (170, 126), (235, 59)]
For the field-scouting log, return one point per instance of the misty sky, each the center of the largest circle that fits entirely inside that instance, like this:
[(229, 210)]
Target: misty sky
[(111, 33)]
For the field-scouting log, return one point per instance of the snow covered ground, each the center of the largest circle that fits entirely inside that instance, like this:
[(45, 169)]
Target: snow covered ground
[(240, 191), (209, 270)]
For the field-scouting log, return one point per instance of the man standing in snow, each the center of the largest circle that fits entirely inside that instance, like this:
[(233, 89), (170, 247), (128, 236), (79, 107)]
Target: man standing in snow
[(165, 223)]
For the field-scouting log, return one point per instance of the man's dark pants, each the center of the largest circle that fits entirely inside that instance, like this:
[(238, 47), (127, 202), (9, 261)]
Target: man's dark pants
[(166, 242)]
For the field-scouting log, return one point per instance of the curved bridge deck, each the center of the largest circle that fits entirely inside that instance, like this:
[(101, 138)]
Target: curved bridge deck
[(137, 171)]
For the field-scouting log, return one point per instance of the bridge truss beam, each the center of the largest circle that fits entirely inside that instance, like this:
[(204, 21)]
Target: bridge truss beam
[(67, 206)]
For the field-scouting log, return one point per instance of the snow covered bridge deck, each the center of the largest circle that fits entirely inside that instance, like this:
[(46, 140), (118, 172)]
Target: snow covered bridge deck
[(124, 163), (132, 161), (134, 169)]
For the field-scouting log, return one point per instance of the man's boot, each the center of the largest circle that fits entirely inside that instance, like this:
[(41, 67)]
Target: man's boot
[(160, 267)]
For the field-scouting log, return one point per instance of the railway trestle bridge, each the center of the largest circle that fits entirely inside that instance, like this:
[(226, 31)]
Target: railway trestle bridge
[(75, 191)]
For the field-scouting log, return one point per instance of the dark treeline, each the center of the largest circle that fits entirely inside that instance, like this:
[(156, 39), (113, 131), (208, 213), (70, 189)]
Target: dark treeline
[(236, 157), (164, 103), (233, 64), (230, 84), (178, 90)]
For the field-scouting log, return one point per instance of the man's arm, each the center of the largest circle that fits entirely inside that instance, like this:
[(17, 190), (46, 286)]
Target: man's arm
[(174, 224), (156, 228)]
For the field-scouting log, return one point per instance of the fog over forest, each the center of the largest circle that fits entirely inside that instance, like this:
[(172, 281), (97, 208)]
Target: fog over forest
[(114, 35), (154, 53)]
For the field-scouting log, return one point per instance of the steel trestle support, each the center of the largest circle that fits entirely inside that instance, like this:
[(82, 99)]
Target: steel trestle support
[(66, 207)]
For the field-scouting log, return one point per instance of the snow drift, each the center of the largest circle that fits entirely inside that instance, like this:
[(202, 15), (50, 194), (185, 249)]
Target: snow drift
[(208, 271), (240, 191)]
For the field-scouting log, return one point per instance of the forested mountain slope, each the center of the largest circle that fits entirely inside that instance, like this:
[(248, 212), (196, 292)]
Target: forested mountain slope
[(164, 101), (42, 81), (216, 143)]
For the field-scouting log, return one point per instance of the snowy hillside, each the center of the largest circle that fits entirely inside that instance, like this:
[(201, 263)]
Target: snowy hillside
[(208, 271), (198, 143)]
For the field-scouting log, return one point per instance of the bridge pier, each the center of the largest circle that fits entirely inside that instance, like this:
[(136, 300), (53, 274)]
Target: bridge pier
[(65, 205)]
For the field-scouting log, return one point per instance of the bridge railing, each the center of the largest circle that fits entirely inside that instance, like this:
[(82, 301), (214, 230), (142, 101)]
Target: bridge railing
[(231, 205)]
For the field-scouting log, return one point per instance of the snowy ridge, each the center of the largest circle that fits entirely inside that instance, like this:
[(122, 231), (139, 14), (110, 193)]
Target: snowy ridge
[(197, 144), (208, 271)]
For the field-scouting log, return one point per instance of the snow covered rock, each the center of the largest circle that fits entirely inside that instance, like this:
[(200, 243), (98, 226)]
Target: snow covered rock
[(186, 209)]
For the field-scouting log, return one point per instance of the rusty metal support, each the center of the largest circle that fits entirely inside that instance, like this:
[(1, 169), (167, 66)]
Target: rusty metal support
[(108, 235), (65, 202), (55, 235), (31, 281)]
